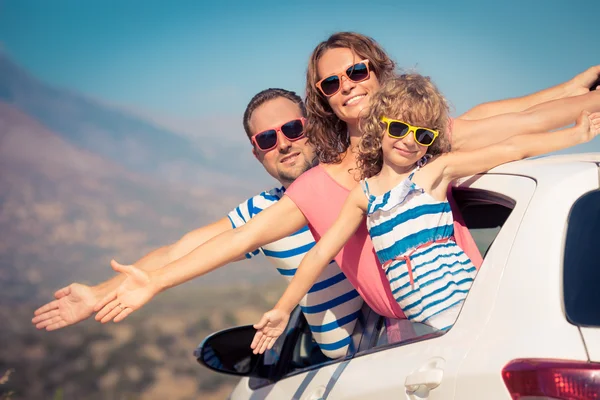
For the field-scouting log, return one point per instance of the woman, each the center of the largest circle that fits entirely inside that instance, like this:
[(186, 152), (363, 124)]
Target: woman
[(343, 72)]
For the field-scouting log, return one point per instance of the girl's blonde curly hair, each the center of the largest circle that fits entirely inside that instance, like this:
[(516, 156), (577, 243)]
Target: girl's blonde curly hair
[(412, 98)]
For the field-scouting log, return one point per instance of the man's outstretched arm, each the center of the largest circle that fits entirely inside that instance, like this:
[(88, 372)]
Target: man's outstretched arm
[(75, 302), (167, 254)]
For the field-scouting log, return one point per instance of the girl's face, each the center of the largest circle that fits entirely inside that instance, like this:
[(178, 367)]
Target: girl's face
[(403, 152), (352, 98)]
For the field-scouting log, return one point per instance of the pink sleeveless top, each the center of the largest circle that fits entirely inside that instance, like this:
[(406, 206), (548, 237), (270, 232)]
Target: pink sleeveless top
[(320, 198)]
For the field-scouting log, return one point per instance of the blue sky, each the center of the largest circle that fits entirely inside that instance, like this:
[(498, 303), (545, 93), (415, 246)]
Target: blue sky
[(194, 60)]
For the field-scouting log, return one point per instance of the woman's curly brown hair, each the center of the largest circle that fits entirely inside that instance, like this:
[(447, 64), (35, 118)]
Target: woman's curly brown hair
[(409, 97), (325, 131)]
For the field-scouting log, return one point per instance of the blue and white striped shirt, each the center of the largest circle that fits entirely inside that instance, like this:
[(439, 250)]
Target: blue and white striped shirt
[(332, 305)]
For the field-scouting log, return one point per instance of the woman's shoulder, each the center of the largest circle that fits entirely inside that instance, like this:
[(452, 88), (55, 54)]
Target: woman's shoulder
[(307, 179), (315, 187), (317, 170)]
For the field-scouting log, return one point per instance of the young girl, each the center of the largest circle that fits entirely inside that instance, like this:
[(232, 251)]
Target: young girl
[(406, 170)]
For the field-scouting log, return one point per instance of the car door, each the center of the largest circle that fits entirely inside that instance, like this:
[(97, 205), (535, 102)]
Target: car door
[(301, 371), (422, 364)]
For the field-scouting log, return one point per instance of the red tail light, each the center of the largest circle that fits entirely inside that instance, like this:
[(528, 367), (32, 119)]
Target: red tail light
[(557, 379)]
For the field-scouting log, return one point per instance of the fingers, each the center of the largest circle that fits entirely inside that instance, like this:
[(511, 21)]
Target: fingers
[(596, 84), (113, 311), (139, 276), (115, 265), (594, 70), (107, 299), (271, 343), (265, 344), (256, 340), (262, 342), (259, 337), (259, 346), (595, 123), (46, 307), (57, 325), (60, 293), (45, 316), (126, 269), (49, 322), (262, 323), (583, 119), (108, 309), (123, 314), (111, 315)]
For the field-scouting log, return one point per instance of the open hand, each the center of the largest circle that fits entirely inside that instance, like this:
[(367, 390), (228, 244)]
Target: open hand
[(73, 304), (269, 328), (135, 291), (586, 81), (588, 125)]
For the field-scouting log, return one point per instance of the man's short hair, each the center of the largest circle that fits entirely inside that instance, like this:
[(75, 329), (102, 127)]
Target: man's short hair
[(266, 95)]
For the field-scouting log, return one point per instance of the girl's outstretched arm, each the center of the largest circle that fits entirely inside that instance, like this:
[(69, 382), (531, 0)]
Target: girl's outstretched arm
[(276, 222), (476, 134), (450, 166), (580, 84), (273, 322)]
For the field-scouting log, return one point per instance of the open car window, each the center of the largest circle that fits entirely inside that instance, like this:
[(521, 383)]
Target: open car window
[(304, 352), (296, 351), (484, 214)]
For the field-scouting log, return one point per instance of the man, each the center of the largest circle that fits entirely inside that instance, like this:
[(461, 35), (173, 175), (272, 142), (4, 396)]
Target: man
[(274, 122)]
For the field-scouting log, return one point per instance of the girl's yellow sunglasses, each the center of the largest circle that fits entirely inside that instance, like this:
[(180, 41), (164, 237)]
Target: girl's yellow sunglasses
[(398, 129)]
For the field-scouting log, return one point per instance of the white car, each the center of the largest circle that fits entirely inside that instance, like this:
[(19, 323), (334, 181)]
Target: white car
[(529, 329)]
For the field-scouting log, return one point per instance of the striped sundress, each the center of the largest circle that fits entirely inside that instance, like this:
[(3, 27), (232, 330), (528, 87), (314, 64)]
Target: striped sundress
[(412, 233)]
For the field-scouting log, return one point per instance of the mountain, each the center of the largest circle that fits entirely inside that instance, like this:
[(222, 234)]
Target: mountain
[(81, 183), (129, 140), (64, 212)]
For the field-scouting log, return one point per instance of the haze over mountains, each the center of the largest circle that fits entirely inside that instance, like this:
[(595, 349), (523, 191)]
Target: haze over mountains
[(81, 182), (127, 139)]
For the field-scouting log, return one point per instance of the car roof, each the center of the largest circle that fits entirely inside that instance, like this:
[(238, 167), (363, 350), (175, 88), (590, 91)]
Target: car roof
[(547, 167)]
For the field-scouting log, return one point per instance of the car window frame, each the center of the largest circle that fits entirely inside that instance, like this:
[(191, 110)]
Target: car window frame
[(365, 324)]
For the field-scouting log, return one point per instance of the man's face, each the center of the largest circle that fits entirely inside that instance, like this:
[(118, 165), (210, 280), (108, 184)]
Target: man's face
[(289, 159)]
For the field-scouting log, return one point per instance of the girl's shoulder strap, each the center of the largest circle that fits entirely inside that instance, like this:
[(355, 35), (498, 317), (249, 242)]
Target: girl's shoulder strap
[(365, 187), (421, 163)]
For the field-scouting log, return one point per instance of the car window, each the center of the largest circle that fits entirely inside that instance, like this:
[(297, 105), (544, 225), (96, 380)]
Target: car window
[(306, 354), (274, 360), (582, 262), (484, 214), (306, 351)]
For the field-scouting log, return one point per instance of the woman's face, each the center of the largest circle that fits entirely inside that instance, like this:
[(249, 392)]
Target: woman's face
[(352, 97)]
